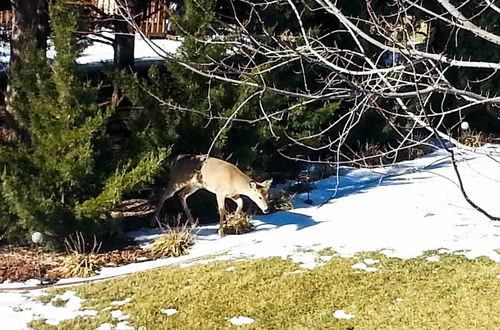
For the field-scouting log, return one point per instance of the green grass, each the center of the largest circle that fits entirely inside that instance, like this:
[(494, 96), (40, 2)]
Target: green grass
[(453, 293)]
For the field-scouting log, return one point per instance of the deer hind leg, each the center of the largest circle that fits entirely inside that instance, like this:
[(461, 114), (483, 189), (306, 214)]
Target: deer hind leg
[(172, 188), (222, 213), (183, 195)]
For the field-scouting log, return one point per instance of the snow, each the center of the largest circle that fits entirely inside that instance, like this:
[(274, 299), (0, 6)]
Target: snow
[(401, 211), (121, 302), (169, 311), (99, 53), (241, 320), (340, 314), (17, 309), (363, 266), (433, 258)]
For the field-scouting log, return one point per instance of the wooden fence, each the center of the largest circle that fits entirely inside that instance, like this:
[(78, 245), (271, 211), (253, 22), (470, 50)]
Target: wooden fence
[(5, 19), (155, 25)]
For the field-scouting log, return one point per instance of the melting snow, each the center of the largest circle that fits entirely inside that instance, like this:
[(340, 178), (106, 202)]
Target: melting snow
[(169, 311), (400, 211), (18, 309), (364, 267), (105, 326), (124, 326), (340, 314), (433, 258), (241, 320), (121, 302), (118, 314)]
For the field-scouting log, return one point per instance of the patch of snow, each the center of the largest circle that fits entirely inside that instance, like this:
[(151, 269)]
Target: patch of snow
[(370, 261), (102, 53), (433, 258), (228, 269), (124, 326), (241, 320), (121, 302), (298, 271), (498, 276), (340, 314), (399, 299), (105, 326), (19, 308), (306, 260), (118, 314), (169, 311), (363, 266), (326, 258)]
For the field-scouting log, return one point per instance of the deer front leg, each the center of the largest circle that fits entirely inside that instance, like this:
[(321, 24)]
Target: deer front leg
[(222, 213), (239, 204)]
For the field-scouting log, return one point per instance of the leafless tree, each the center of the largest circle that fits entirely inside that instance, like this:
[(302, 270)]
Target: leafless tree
[(387, 65)]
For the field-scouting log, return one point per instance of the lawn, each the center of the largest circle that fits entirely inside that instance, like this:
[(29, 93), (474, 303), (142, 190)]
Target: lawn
[(438, 292)]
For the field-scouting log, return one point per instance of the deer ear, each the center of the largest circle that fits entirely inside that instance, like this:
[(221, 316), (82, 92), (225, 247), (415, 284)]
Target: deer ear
[(253, 184), (267, 183)]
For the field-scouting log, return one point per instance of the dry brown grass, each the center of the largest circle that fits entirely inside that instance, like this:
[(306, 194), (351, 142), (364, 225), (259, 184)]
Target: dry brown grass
[(173, 243), (472, 139), (83, 260), (237, 224), (80, 265), (281, 201)]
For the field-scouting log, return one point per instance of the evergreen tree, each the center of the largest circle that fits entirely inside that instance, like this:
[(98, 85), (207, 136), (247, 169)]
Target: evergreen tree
[(69, 175)]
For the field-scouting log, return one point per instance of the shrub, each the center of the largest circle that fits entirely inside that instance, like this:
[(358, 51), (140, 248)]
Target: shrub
[(281, 201), (173, 243), (472, 139), (237, 223), (83, 262)]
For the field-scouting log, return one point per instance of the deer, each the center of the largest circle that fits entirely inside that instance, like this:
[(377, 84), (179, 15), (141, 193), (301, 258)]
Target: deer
[(189, 173)]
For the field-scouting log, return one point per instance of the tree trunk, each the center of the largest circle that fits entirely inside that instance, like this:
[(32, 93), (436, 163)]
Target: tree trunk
[(30, 20), (124, 43)]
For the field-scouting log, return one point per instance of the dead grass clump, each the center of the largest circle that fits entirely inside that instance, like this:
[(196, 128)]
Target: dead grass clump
[(173, 243), (237, 224), (472, 139), (281, 201), (81, 263)]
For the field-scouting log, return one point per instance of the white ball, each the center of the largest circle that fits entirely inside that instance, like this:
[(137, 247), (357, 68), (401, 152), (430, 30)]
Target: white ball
[(464, 125), (37, 237)]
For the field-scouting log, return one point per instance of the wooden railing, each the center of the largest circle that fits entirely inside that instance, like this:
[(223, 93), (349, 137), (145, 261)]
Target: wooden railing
[(5, 19), (155, 24)]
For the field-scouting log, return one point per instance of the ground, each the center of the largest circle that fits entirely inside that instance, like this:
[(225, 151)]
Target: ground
[(19, 264), (411, 216)]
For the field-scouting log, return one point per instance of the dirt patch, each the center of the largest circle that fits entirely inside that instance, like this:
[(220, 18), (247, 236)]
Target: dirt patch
[(19, 264)]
